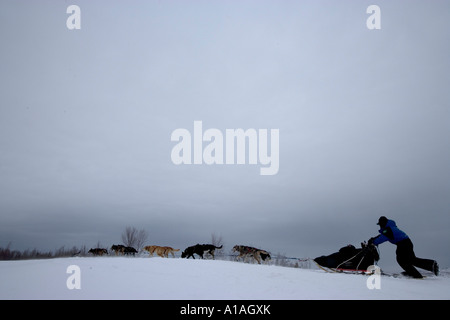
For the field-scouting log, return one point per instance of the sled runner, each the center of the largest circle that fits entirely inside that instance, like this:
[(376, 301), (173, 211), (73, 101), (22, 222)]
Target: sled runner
[(402, 275)]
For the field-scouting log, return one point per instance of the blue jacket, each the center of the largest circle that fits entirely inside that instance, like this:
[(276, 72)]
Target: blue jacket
[(390, 233)]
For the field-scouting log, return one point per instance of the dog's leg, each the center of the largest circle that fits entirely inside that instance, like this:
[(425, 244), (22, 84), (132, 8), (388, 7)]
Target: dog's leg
[(256, 256)]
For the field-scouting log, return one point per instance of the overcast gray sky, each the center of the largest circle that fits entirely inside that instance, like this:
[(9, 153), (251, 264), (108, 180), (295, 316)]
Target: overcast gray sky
[(86, 118)]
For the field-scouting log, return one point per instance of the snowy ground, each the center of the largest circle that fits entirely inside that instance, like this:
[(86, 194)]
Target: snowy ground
[(181, 279)]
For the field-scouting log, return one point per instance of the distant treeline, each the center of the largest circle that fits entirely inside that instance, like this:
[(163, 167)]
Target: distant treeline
[(6, 253), (131, 237)]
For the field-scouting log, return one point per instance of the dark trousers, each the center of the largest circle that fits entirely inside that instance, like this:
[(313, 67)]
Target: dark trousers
[(408, 260)]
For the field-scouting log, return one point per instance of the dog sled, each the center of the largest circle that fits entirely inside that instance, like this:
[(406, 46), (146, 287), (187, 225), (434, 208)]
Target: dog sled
[(350, 260)]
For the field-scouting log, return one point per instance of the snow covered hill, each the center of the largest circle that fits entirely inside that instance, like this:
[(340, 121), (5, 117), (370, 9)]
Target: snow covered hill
[(181, 279)]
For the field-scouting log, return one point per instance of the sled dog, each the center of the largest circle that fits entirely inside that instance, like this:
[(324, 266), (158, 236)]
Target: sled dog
[(246, 251), (117, 248), (161, 251), (199, 249), (98, 251)]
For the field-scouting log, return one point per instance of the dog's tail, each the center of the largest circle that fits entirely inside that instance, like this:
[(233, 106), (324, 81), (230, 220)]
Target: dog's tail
[(219, 247), (176, 249)]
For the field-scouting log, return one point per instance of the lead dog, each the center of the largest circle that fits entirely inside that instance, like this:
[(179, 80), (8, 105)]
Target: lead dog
[(246, 251), (200, 250)]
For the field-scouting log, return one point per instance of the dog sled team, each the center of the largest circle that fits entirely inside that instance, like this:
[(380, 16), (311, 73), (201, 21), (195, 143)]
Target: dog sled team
[(348, 259), (244, 252)]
